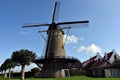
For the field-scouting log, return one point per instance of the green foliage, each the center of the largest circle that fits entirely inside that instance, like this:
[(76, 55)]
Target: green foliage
[(23, 57), (35, 70), (9, 63), (3, 67), (76, 72), (115, 64), (2, 78)]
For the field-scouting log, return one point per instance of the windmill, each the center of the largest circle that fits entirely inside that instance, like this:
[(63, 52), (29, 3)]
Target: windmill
[(55, 63)]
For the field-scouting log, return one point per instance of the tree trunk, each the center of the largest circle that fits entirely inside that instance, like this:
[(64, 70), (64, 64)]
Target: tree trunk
[(5, 74), (2, 72), (9, 73), (22, 72)]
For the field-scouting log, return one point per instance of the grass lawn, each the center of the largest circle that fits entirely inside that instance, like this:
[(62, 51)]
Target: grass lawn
[(71, 78), (1, 78)]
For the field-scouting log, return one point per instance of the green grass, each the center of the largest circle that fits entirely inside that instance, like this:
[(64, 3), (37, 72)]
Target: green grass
[(71, 78), (1, 78)]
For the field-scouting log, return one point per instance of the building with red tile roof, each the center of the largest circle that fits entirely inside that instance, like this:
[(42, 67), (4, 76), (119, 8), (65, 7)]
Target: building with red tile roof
[(111, 56), (95, 65)]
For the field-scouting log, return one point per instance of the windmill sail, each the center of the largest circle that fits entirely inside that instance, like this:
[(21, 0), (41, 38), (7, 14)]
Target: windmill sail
[(34, 25), (56, 11)]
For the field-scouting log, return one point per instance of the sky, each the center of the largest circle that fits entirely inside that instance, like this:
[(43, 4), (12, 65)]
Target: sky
[(101, 35)]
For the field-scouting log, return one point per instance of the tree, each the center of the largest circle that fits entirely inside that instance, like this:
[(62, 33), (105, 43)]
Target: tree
[(35, 70), (4, 69), (9, 64), (23, 57), (0, 69), (116, 64)]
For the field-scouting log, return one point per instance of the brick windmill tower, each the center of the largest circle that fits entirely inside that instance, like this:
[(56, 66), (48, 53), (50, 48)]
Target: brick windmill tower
[(55, 63)]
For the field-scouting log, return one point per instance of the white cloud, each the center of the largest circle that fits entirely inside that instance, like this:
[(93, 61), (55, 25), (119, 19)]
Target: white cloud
[(81, 38), (70, 39), (32, 65), (93, 49), (27, 68), (80, 49), (90, 49)]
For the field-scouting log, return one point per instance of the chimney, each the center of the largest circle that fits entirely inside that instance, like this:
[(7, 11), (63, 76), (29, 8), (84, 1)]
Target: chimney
[(113, 50), (97, 53), (105, 55)]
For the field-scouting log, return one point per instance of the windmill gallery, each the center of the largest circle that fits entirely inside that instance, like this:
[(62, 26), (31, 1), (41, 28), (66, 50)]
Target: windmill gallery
[(55, 63)]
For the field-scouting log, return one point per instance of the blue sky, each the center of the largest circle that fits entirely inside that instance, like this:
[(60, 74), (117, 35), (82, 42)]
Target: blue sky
[(102, 34)]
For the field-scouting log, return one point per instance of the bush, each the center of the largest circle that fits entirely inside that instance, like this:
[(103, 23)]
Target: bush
[(75, 72)]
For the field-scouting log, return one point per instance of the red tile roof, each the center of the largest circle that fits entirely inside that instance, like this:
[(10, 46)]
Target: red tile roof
[(97, 65), (100, 64), (108, 55), (89, 65), (91, 59)]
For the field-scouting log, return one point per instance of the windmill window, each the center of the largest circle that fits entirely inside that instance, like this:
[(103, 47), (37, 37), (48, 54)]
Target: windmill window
[(115, 57), (62, 47), (99, 59), (52, 54)]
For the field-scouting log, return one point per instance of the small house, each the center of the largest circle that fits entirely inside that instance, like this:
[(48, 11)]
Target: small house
[(111, 56)]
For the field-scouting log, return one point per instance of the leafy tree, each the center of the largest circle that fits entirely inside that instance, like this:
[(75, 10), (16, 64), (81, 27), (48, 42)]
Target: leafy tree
[(9, 64), (4, 69), (23, 57), (35, 70), (116, 64), (1, 69)]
